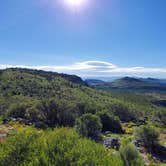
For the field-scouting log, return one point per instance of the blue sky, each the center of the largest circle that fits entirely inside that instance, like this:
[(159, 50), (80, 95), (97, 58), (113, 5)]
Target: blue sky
[(125, 33)]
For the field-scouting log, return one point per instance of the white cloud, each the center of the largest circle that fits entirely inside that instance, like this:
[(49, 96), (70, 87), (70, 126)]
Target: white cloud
[(98, 68)]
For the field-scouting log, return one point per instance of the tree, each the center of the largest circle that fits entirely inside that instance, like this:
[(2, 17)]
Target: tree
[(58, 113), (89, 125), (110, 122), (148, 136)]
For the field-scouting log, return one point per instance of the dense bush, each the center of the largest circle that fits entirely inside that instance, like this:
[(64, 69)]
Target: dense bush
[(130, 155), (148, 136), (89, 125), (110, 122), (56, 113), (62, 147)]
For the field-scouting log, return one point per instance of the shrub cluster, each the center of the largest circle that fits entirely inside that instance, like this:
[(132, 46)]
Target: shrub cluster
[(62, 147)]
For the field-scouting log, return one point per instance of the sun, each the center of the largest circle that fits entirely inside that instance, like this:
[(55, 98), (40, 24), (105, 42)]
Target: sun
[(76, 4)]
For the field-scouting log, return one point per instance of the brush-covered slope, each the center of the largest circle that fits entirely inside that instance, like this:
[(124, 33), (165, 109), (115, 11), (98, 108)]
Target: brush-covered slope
[(33, 82), (51, 98)]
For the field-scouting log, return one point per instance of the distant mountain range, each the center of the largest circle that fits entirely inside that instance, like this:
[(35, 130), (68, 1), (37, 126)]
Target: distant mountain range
[(129, 83)]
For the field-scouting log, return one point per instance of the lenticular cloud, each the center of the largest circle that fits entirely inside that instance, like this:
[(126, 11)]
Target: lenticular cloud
[(97, 68)]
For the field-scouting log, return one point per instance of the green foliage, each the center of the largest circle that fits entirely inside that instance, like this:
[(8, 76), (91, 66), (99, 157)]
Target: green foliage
[(62, 147), (89, 125), (148, 135), (56, 113), (130, 155), (110, 122)]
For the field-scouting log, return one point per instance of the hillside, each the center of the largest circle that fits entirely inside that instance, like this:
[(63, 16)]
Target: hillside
[(37, 96), (29, 93), (35, 106)]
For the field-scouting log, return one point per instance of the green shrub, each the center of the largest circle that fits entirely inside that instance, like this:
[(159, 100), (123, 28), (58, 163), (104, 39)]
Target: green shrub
[(110, 122), (130, 155), (62, 147), (148, 136), (89, 125)]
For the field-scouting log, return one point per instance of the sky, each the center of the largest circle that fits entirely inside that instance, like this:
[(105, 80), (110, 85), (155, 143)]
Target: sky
[(96, 38)]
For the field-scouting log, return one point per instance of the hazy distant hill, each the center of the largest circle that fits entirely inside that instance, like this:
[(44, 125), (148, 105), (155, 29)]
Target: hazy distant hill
[(94, 82), (130, 83), (154, 80)]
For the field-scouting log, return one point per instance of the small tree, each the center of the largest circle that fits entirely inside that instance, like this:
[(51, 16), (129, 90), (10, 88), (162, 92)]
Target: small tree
[(89, 125), (148, 136), (130, 155)]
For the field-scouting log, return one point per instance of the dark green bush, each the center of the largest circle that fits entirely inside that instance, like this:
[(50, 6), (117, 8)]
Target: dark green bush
[(148, 136), (110, 122), (89, 125), (130, 155)]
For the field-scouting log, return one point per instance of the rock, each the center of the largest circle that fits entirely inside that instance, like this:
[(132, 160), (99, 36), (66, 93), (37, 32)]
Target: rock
[(9, 119), (107, 132), (40, 125), (136, 143), (111, 143), (4, 135)]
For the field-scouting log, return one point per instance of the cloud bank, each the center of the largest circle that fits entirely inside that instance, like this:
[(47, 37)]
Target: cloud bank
[(98, 69)]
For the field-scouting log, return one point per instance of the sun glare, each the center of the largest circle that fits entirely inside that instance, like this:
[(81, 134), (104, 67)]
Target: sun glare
[(76, 3)]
